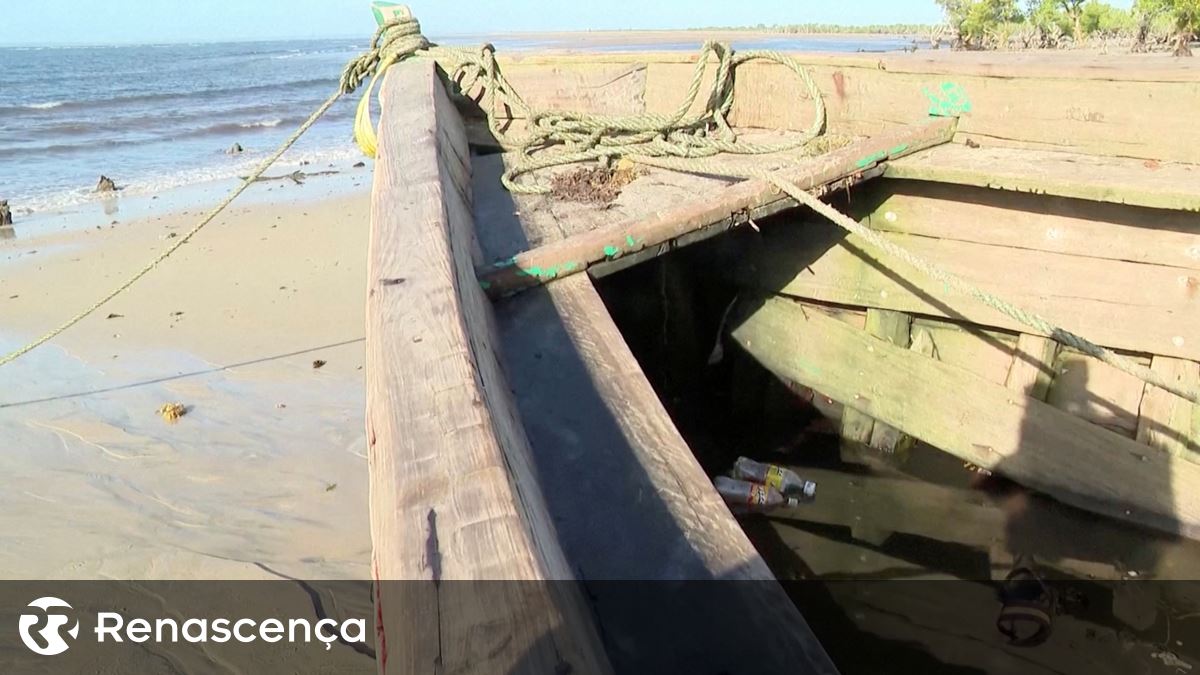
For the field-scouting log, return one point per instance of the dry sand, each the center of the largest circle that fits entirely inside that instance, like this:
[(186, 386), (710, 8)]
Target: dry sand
[(268, 466)]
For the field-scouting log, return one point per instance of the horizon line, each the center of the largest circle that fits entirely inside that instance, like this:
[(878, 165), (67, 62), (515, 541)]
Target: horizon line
[(362, 37)]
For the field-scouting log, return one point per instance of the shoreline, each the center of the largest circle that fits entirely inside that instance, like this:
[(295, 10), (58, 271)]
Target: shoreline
[(268, 466)]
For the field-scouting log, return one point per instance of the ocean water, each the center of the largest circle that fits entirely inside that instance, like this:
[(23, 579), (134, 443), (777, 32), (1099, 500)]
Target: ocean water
[(157, 117)]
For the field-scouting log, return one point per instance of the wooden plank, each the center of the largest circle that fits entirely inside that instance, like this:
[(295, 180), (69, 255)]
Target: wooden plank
[(1032, 368), (858, 428), (1043, 222), (1084, 65), (731, 205), (1166, 421), (1119, 180), (897, 504), (1121, 305), (631, 502), (980, 422), (1127, 108), (987, 353), (605, 268), (453, 493), (1095, 391)]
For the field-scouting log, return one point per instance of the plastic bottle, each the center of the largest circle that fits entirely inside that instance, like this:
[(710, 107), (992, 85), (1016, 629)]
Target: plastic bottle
[(755, 496), (777, 477)]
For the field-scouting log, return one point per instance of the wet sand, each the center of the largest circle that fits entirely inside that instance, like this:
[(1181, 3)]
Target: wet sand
[(267, 469)]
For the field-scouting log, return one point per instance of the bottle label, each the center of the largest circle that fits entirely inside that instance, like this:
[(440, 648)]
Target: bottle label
[(758, 495), (774, 477)]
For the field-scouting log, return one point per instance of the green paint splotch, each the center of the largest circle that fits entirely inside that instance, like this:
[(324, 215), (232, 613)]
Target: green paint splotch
[(871, 159), (549, 272), (948, 100)]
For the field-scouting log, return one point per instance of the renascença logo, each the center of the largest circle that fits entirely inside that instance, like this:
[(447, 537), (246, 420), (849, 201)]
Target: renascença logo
[(113, 626), (50, 634)]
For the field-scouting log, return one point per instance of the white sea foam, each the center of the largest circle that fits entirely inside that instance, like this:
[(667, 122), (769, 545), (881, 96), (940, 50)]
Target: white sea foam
[(311, 160), (44, 106), (263, 123)]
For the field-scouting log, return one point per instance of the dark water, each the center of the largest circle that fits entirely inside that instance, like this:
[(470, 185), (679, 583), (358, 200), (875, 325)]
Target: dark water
[(905, 561)]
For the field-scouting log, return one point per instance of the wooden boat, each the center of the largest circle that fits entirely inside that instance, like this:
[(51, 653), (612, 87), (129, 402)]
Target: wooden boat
[(518, 439)]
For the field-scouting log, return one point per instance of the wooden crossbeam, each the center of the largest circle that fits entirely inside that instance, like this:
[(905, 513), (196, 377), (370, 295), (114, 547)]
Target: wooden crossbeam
[(721, 209), (978, 420)]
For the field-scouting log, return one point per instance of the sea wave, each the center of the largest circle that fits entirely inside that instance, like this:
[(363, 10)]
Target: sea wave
[(165, 119), (54, 200), (160, 97), (231, 130)]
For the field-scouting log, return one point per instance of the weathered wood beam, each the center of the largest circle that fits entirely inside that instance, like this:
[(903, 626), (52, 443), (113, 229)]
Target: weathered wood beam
[(730, 205), (1166, 421), (453, 496), (858, 428), (604, 268), (979, 421), (1060, 105), (1055, 224), (1117, 180), (1032, 369), (1119, 304), (633, 504)]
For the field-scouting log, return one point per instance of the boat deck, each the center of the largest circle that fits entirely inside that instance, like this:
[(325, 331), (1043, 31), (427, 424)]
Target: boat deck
[(627, 497), (516, 437)]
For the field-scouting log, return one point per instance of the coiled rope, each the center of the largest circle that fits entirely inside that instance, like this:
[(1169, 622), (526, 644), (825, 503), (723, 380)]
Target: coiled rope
[(680, 141), (557, 138)]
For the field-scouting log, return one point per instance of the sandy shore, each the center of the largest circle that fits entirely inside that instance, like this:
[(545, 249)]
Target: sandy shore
[(266, 469), (622, 37)]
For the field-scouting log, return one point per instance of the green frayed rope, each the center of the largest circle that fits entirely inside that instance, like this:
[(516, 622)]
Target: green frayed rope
[(557, 138)]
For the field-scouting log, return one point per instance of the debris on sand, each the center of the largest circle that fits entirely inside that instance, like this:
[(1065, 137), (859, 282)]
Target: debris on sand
[(318, 364), (296, 176), (593, 185), (1172, 660), (106, 184), (171, 412)]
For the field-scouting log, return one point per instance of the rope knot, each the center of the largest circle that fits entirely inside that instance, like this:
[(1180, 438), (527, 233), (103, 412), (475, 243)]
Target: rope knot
[(395, 40)]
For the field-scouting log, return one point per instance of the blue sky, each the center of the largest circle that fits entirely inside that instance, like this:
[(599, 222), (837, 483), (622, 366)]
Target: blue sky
[(140, 21)]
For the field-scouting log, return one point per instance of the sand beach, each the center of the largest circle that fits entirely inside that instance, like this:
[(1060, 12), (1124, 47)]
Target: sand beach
[(267, 466)]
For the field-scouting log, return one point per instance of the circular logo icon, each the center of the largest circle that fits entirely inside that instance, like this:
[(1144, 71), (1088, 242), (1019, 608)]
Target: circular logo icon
[(47, 640)]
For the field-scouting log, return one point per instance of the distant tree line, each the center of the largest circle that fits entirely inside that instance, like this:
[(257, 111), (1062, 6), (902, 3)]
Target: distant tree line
[(1037, 24), (1061, 24)]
